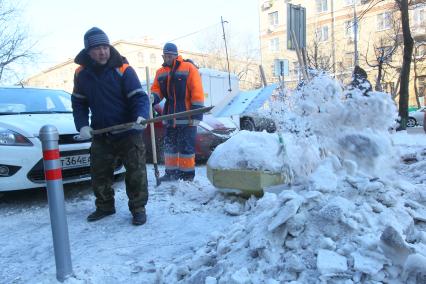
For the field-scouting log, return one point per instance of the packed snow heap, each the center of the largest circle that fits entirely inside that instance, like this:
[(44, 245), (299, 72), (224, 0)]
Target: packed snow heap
[(346, 216)]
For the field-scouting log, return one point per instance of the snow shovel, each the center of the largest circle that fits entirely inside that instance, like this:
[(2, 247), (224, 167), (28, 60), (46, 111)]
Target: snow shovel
[(130, 125), (153, 144)]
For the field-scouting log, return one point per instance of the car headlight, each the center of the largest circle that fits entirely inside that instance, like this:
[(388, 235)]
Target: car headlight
[(12, 138)]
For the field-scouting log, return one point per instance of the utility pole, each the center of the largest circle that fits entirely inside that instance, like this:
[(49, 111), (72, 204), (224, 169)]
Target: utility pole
[(333, 40), (355, 23), (226, 50)]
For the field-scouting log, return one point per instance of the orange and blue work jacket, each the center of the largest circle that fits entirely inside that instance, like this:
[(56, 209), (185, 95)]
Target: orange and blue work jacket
[(181, 86)]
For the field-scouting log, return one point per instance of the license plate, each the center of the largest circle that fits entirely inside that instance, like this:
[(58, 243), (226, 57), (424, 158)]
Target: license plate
[(77, 161)]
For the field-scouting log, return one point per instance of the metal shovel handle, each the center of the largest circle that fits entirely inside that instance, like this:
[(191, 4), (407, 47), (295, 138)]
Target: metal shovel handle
[(153, 141), (129, 125)]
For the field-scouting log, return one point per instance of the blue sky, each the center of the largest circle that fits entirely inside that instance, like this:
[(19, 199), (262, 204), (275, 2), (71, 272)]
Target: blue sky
[(58, 26)]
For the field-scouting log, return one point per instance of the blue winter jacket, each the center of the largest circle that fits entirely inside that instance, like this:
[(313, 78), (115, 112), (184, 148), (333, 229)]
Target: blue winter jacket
[(112, 93)]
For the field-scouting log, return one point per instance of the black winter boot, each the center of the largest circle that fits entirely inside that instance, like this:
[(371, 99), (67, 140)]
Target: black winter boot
[(167, 178), (99, 214), (139, 218), (187, 177)]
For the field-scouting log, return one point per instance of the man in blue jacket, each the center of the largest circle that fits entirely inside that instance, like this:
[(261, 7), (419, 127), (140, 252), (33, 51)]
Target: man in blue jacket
[(108, 88)]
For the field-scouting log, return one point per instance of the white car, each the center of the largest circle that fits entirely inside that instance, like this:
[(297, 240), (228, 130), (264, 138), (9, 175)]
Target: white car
[(23, 112), (416, 117)]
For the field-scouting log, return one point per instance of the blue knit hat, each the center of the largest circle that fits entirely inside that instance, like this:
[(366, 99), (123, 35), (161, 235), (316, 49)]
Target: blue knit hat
[(170, 48), (95, 37)]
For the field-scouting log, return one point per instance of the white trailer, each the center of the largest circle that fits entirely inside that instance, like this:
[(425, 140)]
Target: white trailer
[(217, 90), (216, 86)]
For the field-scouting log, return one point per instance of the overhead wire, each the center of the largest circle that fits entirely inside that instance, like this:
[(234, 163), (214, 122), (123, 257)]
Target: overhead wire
[(192, 33)]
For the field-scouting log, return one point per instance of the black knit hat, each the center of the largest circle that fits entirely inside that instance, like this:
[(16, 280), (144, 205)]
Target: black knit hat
[(170, 48), (95, 37)]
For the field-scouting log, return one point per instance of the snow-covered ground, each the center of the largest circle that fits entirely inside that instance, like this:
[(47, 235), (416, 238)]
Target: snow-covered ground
[(354, 212), (181, 217)]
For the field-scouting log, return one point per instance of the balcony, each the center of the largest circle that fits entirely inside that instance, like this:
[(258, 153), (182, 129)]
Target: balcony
[(418, 32)]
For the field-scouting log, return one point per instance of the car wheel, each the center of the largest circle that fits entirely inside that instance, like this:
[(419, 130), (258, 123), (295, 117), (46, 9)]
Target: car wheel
[(411, 122), (247, 124)]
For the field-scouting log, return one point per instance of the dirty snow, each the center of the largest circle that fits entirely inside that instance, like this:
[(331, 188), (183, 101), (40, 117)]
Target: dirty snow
[(354, 213)]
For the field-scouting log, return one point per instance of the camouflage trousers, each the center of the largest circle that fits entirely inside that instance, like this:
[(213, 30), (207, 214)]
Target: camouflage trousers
[(104, 155)]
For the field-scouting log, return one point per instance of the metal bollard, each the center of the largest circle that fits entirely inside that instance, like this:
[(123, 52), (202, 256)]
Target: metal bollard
[(55, 195)]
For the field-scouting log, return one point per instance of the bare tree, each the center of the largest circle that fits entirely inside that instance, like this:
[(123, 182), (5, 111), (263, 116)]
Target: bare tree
[(384, 50), (403, 6), (15, 47), (242, 55), (317, 58)]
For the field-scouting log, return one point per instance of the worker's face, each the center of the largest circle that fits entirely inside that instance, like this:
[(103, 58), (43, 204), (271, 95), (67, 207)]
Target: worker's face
[(168, 59), (100, 54)]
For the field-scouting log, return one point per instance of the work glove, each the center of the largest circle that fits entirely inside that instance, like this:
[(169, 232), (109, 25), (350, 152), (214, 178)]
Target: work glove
[(86, 133), (139, 122)]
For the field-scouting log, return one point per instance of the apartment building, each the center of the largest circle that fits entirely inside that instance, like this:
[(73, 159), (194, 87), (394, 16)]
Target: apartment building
[(140, 56), (334, 41)]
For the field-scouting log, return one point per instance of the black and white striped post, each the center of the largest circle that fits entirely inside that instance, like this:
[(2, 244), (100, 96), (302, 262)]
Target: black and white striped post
[(55, 195)]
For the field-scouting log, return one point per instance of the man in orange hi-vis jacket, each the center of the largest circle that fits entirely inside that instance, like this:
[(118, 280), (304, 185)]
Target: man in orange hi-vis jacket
[(179, 82)]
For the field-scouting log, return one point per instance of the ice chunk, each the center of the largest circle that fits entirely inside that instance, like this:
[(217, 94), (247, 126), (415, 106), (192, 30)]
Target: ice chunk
[(324, 178), (210, 280), (242, 276), (330, 262), (289, 210), (233, 209), (394, 245), (415, 266), (366, 264)]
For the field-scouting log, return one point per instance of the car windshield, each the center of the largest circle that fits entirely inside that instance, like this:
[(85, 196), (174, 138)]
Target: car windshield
[(29, 101)]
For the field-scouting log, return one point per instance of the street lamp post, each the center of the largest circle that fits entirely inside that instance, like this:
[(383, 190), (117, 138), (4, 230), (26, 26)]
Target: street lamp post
[(355, 34)]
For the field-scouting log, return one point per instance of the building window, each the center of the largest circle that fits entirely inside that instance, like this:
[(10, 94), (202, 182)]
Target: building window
[(349, 29), (321, 33), (296, 68), (272, 66), (348, 59), (152, 59), (348, 2), (421, 84), (384, 21), (419, 16), (321, 6), (420, 50), (141, 58), (273, 18), (274, 45)]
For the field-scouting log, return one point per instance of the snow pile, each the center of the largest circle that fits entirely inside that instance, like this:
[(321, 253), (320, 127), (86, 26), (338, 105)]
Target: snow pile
[(414, 157), (250, 151), (347, 218), (366, 230), (323, 118), (320, 119)]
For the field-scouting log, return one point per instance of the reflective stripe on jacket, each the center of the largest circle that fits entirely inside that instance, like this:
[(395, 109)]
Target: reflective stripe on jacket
[(181, 86)]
